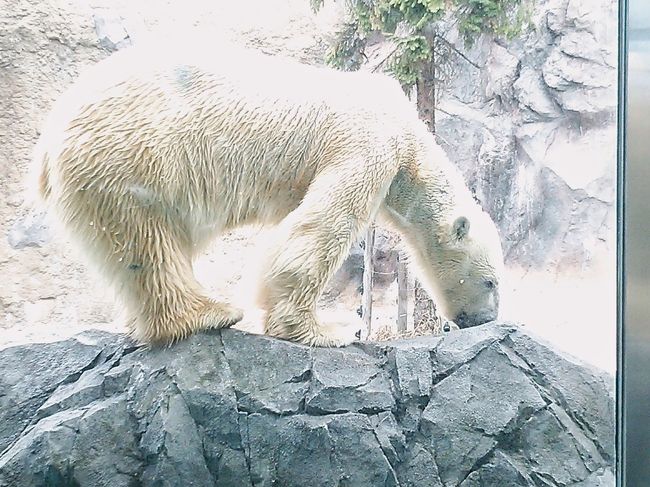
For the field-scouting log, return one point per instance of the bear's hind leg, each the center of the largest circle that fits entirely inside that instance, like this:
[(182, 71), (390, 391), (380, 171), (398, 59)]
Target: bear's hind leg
[(167, 301), (150, 263)]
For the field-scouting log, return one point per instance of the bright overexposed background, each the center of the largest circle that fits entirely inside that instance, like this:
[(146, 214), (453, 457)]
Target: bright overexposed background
[(46, 293)]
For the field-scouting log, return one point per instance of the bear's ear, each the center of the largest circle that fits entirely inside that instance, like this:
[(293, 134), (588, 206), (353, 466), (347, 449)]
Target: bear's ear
[(460, 228)]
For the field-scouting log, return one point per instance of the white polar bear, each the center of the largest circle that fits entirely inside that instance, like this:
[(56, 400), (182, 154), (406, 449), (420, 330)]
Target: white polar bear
[(151, 154)]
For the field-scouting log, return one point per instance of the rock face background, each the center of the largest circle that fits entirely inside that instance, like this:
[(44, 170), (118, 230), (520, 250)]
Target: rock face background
[(489, 406), (532, 128), (534, 131)]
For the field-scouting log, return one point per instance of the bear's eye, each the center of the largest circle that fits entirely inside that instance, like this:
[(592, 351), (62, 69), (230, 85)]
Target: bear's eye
[(489, 283)]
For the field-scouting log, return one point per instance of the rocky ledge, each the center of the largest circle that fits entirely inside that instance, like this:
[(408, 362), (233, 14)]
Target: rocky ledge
[(488, 406)]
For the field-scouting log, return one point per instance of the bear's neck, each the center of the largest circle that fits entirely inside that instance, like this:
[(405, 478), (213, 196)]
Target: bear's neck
[(416, 198)]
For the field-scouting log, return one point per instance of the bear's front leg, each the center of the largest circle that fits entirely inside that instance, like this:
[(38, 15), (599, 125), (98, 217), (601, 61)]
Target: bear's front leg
[(303, 327), (313, 241), (292, 284)]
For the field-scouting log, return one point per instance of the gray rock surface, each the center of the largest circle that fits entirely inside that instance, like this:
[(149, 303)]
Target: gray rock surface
[(487, 406), (32, 231)]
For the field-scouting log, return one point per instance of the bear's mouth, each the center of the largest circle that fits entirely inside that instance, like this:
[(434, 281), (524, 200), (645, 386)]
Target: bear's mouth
[(465, 320)]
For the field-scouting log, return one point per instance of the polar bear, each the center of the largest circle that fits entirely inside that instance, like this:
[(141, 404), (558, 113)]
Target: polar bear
[(153, 153)]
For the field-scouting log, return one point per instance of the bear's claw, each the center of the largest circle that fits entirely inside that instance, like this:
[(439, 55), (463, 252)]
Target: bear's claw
[(219, 315)]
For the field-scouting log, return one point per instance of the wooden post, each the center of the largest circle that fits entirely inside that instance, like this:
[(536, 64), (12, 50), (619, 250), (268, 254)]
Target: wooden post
[(368, 268), (402, 295)]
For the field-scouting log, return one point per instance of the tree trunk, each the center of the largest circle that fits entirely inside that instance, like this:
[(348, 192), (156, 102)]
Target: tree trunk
[(424, 310), (426, 95), (368, 268)]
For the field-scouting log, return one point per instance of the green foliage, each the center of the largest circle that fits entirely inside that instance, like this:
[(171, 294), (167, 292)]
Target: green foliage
[(347, 52), (316, 4), (406, 62), (416, 20), (505, 18)]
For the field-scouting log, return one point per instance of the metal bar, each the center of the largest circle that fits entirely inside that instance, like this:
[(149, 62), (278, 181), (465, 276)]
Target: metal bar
[(402, 295), (368, 266), (634, 244)]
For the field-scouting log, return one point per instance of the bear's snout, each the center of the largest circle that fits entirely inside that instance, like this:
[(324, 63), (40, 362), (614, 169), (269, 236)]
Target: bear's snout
[(468, 320)]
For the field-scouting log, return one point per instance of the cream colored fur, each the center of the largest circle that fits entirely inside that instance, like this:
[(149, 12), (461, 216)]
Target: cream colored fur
[(150, 155)]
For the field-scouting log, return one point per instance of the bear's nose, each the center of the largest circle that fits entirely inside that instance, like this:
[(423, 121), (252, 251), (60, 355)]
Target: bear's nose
[(467, 320)]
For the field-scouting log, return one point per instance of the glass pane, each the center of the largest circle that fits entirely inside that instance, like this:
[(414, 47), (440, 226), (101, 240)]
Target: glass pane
[(415, 201)]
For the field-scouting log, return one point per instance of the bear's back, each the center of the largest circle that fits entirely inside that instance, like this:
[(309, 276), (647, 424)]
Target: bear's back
[(237, 74)]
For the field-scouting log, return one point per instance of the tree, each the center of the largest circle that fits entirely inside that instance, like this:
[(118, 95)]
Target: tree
[(414, 26), (421, 56)]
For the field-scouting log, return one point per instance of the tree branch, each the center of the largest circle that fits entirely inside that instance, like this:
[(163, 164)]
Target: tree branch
[(381, 63), (453, 48)]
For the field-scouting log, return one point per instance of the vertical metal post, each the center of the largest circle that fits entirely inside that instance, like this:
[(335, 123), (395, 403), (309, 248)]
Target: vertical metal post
[(402, 295), (634, 244), (368, 268)]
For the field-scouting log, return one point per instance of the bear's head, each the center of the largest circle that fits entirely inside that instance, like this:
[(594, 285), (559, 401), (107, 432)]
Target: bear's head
[(454, 243), (458, 259), (467, 269)]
